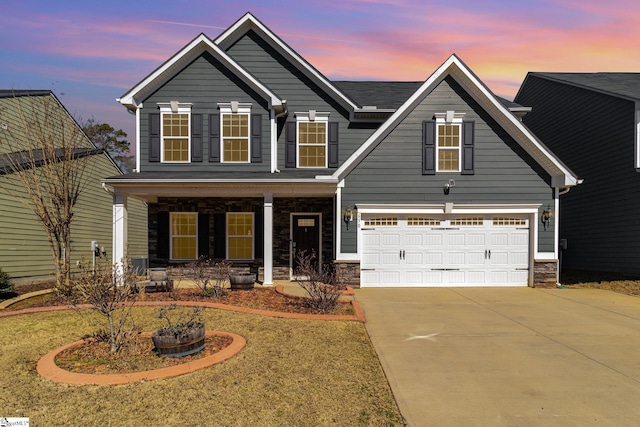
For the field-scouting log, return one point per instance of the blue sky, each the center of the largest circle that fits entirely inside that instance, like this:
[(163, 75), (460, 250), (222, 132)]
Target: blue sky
[(91, 52)]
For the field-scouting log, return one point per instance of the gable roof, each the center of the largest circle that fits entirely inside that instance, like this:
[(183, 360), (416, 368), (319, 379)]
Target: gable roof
[(249, 22), (453, 66), (39, 101), (621, 85), (133, 98)]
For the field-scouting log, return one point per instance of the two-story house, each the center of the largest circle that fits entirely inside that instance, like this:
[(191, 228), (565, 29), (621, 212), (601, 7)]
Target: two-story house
[(248, 153), (593, 121)]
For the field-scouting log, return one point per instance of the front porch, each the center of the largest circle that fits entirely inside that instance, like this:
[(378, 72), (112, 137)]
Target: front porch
[(263, 242)]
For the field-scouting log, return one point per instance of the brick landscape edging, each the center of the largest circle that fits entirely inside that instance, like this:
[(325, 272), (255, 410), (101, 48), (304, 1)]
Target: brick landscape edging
[(47, 367)]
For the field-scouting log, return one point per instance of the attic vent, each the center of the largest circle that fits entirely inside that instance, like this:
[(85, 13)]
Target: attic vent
[(4, 126)]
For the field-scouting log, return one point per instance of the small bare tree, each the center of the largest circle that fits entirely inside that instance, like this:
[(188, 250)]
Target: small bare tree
[(47, 152), (321, 283), (208, 276), (111, 293)]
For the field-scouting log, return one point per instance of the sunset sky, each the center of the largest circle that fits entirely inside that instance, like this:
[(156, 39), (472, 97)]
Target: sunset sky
[(91, 52)]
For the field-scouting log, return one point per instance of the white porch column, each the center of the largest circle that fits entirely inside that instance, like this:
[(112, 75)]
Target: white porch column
[(268, 240), (119, 244)]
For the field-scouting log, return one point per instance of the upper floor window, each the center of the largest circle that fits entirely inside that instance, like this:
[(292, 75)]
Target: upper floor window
[(311, 141), (448, 144), (312, 144), (175, 135), (235, 125), (448, 152)]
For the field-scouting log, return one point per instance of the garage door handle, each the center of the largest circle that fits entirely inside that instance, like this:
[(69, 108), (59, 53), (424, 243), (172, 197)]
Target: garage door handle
[(445, 269)]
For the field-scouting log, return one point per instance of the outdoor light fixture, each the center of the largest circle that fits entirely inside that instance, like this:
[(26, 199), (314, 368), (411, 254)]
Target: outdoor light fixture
[(448, 185), (547, 214), (347, 217)]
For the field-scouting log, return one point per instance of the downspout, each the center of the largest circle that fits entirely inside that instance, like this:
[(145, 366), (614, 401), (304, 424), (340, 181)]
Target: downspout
[(274, 137), (138, 139)]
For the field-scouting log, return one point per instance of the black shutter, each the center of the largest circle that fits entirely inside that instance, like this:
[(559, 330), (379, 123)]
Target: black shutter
[(196, 137), (258, 237), (333, 144), (154, 137), (220, 236), (256, 138), (290, 145), (429, 147), (163, 234), (214, 137), (468, 140), (203, 235)]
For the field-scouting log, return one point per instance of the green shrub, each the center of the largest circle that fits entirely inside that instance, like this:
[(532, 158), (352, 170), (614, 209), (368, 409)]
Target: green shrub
[(6, 286)]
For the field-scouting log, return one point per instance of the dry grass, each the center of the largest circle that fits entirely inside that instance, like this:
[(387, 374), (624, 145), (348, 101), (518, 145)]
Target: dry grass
[(291, 372), (624, 284)]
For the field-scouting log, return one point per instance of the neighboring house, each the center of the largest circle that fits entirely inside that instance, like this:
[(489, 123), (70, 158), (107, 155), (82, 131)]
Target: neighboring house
[(592, 121), (248, 153), (24, 249)]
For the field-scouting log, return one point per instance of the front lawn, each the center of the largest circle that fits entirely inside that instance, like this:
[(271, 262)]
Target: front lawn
[(291, 372)]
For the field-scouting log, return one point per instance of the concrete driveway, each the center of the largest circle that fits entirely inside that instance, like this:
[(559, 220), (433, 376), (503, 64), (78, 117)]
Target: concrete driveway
[(508, 356)]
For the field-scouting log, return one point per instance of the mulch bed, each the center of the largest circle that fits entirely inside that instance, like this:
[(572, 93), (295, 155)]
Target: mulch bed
[(94, 357), (258, 298)]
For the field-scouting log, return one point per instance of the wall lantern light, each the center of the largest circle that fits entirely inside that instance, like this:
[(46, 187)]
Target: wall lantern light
[(448, 185), (547, 214), (347, 216)]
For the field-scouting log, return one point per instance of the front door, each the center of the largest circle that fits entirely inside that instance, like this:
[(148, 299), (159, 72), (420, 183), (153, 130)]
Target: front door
[(305, 236)]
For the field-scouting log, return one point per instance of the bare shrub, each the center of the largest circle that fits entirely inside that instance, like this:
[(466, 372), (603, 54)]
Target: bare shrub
[(211, 278), (320, 282), (111, 293)]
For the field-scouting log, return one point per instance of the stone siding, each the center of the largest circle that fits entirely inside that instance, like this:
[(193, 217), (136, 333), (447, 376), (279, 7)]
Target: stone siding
[(282, 210), (545, 273), (349, 271)]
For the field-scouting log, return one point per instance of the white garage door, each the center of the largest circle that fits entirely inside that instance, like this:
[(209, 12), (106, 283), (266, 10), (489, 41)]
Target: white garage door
[(406, 250)]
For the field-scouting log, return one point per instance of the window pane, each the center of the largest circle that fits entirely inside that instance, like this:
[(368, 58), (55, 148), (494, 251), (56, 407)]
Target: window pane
[(176, 124), (448, 160), (176, 150), (448, 136), (236, 150), (235, 134), (184, 228), (312, 139), (240, 235), (311, 156)]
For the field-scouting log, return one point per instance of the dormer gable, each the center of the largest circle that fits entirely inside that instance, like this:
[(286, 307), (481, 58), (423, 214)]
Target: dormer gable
[(201, 44)]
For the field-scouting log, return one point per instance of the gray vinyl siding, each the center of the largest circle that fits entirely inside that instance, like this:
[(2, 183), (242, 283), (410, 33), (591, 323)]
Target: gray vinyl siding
[(24, 248), (272, 69), (205, 82), (593, 133), (392, 172)]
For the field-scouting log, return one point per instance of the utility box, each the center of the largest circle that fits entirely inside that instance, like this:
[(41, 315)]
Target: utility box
[(139, 266)]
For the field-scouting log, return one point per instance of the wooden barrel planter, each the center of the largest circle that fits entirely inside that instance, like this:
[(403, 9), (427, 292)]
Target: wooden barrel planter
[(169, 345), (239, 281)]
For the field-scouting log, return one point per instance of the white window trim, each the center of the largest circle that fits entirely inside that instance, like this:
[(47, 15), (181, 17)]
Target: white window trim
[(171, 214), (307, 117), (449, 118), (174, 107), (235, 108), (253, 236)]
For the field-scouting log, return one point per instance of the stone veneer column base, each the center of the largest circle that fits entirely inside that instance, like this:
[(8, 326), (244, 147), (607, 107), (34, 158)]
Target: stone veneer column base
[(545, 273), (349, 271)]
